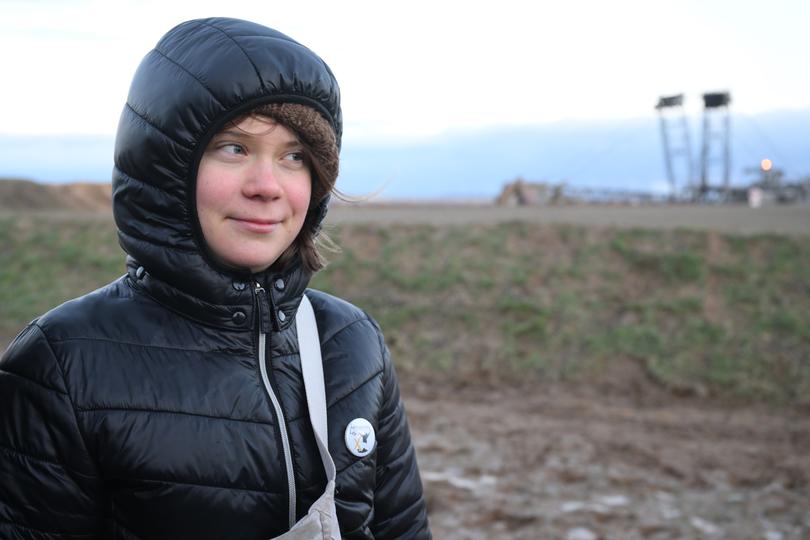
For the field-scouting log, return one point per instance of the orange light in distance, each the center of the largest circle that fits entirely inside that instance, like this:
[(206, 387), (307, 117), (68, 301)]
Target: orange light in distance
[(766, 164)]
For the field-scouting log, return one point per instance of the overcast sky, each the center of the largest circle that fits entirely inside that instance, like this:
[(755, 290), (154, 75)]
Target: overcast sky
[(424, 67)]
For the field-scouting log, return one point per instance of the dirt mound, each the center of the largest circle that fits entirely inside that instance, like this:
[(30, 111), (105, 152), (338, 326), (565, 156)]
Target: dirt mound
[(18, 194)]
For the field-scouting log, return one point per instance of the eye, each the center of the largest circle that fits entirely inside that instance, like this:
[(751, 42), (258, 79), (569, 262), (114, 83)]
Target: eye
[(233, 148), (295, 160)]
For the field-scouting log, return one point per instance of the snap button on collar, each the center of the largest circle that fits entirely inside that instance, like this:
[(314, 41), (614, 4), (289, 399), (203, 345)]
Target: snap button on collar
[(239, 286), (239, 318), (281, 316), (279, 284), (140, 272)]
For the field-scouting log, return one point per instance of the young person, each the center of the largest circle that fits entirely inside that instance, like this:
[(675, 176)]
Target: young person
[(171, 403)]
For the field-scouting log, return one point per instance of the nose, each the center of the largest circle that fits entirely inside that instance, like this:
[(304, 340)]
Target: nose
[(262, 181)]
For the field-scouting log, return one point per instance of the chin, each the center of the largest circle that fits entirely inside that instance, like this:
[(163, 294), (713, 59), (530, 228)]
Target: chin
[(256, 268)]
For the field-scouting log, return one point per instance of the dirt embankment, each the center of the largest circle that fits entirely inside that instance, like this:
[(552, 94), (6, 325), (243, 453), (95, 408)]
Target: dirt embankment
[(28, 195)]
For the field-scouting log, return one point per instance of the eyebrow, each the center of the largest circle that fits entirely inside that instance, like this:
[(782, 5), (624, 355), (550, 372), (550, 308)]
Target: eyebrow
[(293, 142)]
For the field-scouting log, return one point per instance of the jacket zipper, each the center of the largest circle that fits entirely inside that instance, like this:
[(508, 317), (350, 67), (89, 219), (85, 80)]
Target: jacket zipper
[(282, 424)]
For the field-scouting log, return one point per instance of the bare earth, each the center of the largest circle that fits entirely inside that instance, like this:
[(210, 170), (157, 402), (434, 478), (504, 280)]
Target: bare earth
[(634, 463), (731, 219), (624, 463), (552, 463)]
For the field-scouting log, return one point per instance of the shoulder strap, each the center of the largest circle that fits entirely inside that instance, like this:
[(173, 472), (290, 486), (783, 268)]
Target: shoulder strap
[(309, 346)]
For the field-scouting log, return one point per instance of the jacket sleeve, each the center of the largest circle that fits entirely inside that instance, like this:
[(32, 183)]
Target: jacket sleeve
[(48, 484), (399, 505)]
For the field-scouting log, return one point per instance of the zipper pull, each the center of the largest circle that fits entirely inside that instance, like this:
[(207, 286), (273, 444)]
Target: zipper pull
[(263, 311)]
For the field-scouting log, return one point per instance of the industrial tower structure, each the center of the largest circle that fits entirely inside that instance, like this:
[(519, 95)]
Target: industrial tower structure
[(716, 143), (677, 146), (715, 150)]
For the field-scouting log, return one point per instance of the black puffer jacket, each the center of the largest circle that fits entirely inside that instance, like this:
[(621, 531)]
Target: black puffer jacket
[(139, 410)]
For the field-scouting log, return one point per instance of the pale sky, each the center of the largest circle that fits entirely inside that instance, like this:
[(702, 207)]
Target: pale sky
[(420, 68)]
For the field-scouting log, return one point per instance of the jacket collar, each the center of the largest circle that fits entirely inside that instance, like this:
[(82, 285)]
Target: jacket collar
[(238, 304)]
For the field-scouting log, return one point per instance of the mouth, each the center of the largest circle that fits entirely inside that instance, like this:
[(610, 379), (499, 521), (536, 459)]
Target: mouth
[(256, 225)]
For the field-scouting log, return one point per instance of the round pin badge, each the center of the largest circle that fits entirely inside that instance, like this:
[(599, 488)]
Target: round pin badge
[(359, 437)]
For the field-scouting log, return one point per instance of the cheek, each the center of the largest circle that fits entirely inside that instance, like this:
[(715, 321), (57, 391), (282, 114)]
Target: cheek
[(299, 195), (209, 196)]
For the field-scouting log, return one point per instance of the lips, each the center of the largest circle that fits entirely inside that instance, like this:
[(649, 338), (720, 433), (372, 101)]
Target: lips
[(255, 225)]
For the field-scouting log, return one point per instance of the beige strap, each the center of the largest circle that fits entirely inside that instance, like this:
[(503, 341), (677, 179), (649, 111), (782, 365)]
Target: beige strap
[(309, 346)]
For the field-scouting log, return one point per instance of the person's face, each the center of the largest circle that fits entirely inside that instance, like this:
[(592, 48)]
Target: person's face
[(253, 191)]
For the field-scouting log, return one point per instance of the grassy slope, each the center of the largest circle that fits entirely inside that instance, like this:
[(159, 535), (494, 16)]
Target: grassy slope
[(702, 312)]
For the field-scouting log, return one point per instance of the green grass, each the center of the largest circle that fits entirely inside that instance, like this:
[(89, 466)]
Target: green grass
[(44, 263), (671, 266), (725, 314)]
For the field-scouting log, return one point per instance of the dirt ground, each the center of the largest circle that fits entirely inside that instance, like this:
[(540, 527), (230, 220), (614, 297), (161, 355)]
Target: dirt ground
[(588, 464), (620, 462), (732, 219)]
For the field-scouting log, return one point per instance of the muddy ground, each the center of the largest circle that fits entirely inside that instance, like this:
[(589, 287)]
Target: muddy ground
[(596, 462), (601, 463), (624, 461)]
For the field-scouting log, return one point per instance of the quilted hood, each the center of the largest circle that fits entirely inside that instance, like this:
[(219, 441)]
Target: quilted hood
[(201, 74)]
